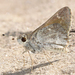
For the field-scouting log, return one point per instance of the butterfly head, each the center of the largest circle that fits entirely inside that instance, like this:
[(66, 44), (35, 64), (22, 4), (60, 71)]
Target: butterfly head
[(24, 40)]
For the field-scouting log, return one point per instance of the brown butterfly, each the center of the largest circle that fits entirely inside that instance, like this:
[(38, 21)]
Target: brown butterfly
[(53, 35)]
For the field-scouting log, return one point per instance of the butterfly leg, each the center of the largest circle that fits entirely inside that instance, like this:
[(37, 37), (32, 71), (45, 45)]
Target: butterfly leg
[(47, 56), (66, 49), (31, 61)]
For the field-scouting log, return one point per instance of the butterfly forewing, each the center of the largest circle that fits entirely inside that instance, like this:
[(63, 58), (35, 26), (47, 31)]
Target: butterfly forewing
[(54, 33)]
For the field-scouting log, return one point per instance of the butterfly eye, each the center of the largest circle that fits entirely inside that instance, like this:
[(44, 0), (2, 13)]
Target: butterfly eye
[(23, 39)]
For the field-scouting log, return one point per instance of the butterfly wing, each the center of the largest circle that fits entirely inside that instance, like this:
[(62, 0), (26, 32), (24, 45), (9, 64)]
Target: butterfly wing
[(54, 33)]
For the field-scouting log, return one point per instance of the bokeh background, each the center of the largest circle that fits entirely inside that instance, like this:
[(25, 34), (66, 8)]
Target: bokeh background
[(21, 16)]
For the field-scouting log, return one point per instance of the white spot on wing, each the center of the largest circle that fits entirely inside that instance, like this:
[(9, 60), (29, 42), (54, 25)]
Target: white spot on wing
[(58, 16)]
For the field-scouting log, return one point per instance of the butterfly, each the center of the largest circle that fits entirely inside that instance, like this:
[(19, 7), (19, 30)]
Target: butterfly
[(53, 35)]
